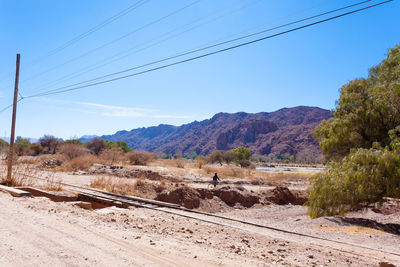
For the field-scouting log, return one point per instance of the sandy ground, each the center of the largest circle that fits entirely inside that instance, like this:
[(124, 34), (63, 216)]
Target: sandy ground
[(39, 232)]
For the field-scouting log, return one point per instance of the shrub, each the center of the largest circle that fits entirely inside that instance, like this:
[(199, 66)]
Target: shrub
[(216, 157), (228, 156), (201, 160), (364, 171), (180, 163), (36, 149), (72, 151), (50, 142), (112, 155), (364, 176), (3, 145), (22, 146), (96, 145), (244, 163), (140, 157), (82, 163)]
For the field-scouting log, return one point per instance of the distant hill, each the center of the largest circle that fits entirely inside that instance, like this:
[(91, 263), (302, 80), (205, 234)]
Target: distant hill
[(286, 131)]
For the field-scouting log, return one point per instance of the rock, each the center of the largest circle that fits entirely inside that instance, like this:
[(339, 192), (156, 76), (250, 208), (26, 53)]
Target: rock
[(52, 163)]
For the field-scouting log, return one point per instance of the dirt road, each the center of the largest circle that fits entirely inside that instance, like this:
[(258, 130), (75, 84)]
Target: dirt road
[(39, 232)]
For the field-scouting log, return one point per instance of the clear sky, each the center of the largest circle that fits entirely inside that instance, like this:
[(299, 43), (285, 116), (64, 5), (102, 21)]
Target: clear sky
[(305, 67)]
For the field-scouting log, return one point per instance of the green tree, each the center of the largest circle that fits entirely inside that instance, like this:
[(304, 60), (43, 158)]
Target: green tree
[(366, 111), (22, 146), (123, 146), (242, 153), (363, 142)]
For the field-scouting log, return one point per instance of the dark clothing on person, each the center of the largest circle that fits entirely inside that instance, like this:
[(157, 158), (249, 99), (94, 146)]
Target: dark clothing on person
[(216, 180)]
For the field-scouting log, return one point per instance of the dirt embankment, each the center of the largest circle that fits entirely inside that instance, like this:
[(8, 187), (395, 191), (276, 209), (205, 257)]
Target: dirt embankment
[(232, 196)]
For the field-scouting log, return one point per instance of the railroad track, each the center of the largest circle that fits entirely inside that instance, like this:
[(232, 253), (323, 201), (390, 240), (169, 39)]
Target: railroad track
[(125, 201)]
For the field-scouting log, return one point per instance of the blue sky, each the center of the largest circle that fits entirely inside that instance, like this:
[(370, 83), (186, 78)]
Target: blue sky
[(305, 67)]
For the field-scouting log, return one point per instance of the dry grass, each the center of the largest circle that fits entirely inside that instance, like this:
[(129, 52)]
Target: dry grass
[(176, 163), (82, 163), (20, 176), (26, 175), (137, 157), (124, 186), (230, 171), (72, 151), (112, 156)]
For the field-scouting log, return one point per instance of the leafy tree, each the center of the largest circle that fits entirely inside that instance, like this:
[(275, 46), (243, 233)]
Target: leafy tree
[(242, 153), (363, 140), (123, 146), (366, 111)]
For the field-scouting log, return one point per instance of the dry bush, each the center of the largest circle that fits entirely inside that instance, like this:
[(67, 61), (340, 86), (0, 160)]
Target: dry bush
[(140, 157), (140, 187), (29, 160), (225, 171), (82, 163), (200, 161), (52, 183), (180, 163), (72, 151), (21, 176), (177, 163), (229, 171), (112, 155)]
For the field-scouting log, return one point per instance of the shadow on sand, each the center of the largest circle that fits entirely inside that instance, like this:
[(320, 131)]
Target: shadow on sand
[(391, 228)]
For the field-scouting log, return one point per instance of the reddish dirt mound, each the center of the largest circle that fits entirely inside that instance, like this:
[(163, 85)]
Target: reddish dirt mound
[(190, 198), (240, 195), (281, 195), (186, 196)]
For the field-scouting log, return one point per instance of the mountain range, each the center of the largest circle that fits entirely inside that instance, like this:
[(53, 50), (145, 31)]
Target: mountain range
[(286, 131)]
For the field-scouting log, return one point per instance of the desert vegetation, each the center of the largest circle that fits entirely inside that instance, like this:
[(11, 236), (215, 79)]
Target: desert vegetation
[(361, 143)]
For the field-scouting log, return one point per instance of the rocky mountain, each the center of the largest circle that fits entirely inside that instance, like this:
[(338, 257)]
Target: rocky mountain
[(286, 131)]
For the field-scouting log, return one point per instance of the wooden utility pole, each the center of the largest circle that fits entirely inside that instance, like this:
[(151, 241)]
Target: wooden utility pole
[(14, 115)]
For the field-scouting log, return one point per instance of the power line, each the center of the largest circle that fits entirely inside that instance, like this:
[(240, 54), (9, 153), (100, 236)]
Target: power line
[(208, 54), (114, 41), (90, 31), (122, 55), (208, 47)]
